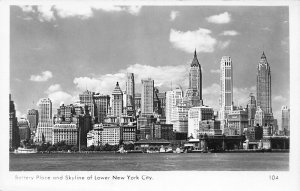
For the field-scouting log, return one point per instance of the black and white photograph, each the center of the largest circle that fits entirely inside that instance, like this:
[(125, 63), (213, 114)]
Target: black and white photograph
[(115, 94)]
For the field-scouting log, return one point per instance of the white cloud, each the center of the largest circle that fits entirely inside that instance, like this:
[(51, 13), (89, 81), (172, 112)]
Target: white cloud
[(45, 76), (173, 15), (189, 40), (134, 10), (217, 71), (224, 44), (46, 12), (220, 19), (59, 97), (280, 99), (106, 83), (53, 88), (229, 33)]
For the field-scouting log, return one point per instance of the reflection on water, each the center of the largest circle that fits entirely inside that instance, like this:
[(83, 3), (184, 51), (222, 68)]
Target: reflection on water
[(150, 162)]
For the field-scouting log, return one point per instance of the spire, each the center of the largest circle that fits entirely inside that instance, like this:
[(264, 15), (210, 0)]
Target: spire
[(195, 62), (263, 55)]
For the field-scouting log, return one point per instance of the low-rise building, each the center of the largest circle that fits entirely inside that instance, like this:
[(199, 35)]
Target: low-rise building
[(66, 132), (237, 121)]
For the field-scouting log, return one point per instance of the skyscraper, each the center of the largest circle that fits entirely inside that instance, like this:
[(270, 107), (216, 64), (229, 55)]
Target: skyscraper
[(263, 85), (251, 106), (226, 83), (101, 106), (263, 89), (14, 138), (45, 125), (173, 98), (147, 97), (117, 101), (195, 77), (285, 118), (130, 92), (33, 118), (86, 98)]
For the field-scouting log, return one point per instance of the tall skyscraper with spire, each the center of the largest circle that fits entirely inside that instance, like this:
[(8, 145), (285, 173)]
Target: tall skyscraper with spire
[(195, 77), (226, 83), (263, 89)]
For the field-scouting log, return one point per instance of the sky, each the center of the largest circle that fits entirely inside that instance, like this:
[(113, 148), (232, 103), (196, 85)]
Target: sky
[(60, 51)]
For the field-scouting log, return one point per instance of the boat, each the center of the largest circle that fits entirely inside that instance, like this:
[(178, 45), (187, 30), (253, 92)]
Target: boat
[(121, 150), (21, 150), (163, 150)]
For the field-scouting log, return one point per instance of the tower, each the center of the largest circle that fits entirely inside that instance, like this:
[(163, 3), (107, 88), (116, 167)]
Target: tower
[(147, 97), (263, 89), (130, 91), (117, 101), (45, 124), (226, 83), (33, 117), (195, 77), (285, 118), (251, 106), (14, 138), (86, 98)]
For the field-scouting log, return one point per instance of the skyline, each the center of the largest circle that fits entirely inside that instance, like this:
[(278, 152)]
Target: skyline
[(224, 31)]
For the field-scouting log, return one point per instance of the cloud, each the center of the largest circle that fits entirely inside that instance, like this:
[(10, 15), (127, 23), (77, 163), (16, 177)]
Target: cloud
[(223, 44), (53, 88), (217, 71), (229, 33), (45, 76), (47, 12), (241, 95), (58, 96), (279, 99), (189, 40), (173, 15), (106, 83), (220, 19)]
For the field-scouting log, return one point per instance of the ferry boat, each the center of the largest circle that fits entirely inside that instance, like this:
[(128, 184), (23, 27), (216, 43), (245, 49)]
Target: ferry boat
[(21, 150)]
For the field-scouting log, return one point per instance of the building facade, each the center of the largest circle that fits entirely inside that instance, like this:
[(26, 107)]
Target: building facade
[(45, 124), (24, 130), (117, 101), (195, 78), (147, 97), (285, 118), (33, 118), (128, 133), (130, 93), (263, 89), (66, 132), (14, 138), (195, 116), (237, 122), (102, 104), (173, 98), (86, 98), (251, 106)]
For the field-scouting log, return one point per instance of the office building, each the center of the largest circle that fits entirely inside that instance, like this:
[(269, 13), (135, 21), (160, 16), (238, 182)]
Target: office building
[(263, 89), (147, 97), (130, 93), (251, 107), (66, 132), (45, 124), (128, 133), (117, 101), (285, 118), (226, 84), (14, 138), (173, 98), (102, 104), (237, 122), (86, 98), (24, 130), (195, 78), (33, 118)]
